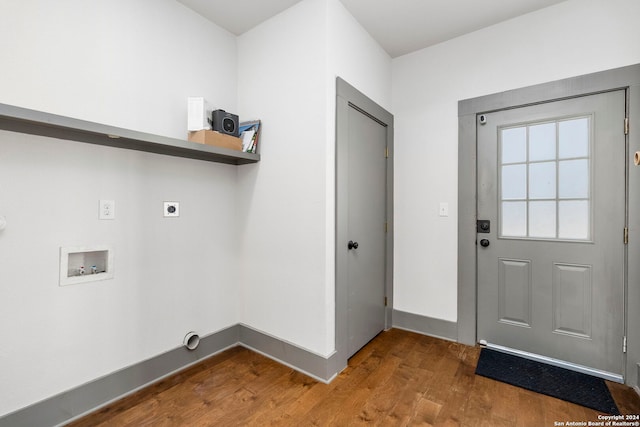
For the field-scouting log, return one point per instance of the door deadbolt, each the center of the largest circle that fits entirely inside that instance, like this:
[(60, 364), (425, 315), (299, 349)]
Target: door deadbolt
[(483, 226)]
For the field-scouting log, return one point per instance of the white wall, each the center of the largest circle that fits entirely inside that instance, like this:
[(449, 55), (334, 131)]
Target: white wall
[(570, 39), (355, 57), (133, 65), (281, 68), (128, 64), (358, 59), (287, 68)]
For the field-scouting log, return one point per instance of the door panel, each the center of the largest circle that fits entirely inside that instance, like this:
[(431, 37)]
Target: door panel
[(514, 291), (366, 218), (572, 290), (551, 179)]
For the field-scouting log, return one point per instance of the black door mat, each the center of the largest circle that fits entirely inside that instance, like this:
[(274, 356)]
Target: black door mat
[(574, 387)]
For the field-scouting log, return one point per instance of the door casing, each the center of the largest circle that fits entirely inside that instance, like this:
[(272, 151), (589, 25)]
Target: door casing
[(626, 78), (347, 97)]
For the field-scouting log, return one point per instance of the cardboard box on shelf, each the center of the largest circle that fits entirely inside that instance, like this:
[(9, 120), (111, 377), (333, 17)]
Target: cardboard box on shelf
[(218, 139)]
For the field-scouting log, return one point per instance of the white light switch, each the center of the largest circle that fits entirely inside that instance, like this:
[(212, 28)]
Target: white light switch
[(107, 209), (444, 209)]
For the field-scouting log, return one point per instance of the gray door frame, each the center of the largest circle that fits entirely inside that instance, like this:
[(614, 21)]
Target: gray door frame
[(349, 97), (627, 78)]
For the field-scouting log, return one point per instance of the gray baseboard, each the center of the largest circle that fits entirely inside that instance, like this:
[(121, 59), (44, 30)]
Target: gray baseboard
[(425, 325), (77, 402), (288, 354)]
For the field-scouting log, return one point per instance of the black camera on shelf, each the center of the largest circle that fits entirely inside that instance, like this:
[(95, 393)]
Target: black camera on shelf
[(224, 122)]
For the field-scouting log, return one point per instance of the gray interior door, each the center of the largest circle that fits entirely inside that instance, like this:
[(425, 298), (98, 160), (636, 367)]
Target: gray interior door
[(551, 263), (365, 228)]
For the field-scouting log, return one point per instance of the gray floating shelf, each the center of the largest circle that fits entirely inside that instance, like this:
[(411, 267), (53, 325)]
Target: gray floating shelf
[(17, 119)]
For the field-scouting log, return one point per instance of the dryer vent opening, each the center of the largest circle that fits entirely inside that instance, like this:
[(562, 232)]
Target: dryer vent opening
[(191, 340)]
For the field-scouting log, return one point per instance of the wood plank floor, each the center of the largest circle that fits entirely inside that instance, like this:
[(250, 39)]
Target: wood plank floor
[(400, 378)]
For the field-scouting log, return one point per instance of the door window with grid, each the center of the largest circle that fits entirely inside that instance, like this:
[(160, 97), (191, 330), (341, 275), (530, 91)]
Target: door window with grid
[(545, 180)]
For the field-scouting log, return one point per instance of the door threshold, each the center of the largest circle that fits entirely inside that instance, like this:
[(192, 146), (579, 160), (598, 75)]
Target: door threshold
[(559, 363)]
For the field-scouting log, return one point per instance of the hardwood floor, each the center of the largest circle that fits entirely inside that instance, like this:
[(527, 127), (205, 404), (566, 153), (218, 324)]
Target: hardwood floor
[(400, 378)]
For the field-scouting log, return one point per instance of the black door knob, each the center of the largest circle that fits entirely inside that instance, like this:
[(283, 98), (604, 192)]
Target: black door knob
[(484, 243), (352, 245)]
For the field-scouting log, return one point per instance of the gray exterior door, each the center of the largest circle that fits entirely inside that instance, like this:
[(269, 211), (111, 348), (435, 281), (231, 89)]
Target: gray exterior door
[(365, 228), (551, 266)]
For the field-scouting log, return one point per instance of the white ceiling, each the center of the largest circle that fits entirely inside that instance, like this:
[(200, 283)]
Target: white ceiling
[(238, 16), (399, 26)]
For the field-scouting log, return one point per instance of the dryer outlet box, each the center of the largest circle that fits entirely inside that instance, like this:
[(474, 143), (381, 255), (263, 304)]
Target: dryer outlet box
[(171, 209)]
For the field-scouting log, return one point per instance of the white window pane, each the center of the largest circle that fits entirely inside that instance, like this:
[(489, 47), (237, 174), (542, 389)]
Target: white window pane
[(542, 180), (574, 179), (514, 182), (573, 218), (514, 145), (574, 138), (514, 219), (542, 219), (542, 142)]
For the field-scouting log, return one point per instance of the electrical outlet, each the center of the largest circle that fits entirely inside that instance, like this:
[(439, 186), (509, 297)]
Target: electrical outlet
[(107, 209), (444, 209), (171, 209)]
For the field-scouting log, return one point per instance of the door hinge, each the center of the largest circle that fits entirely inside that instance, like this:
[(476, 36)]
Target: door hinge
[(386, 227), (385, 304), (624, 344), (626, 125), (386, 152), (626, 235)]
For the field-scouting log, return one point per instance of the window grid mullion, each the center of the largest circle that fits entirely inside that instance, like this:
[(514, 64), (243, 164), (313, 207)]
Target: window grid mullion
[(528, 162)]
